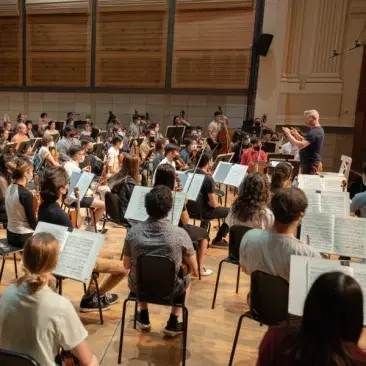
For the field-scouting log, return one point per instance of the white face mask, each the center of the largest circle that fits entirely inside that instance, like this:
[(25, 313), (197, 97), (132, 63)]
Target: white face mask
[(121, 134)]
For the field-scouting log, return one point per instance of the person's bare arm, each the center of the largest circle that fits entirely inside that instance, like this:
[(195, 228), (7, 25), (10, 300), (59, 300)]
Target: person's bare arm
[(212, 200), (127, 262), (84, 355), (184, 217), (192, 264), (299, 144)]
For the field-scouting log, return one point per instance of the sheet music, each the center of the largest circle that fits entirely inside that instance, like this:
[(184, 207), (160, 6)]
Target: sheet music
[(319, 229), (315, 269), (178, 204), (83, 184), (336, 203), (333, 183), (61, 233), (136, 206), (195, 187), (221, 172), (236, 175), (183, 177), (79, 255), (73, 182), (311, 182), (314, 199), (350, 236)]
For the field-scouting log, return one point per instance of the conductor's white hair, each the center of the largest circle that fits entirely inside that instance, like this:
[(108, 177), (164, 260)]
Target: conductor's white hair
[(314, 114)]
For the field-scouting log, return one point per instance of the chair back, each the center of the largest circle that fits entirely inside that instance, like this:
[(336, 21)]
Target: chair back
[(9, 358), (194, 208), (236, 234), (269, 297), (155, 278), (345, 167), (112, 208)]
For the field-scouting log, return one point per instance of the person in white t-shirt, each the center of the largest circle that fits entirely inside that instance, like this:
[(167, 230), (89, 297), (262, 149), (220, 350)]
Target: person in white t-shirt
[(171, 153), (95, 206), (35, 320), (270, 251), (44, 151), (113, 155)]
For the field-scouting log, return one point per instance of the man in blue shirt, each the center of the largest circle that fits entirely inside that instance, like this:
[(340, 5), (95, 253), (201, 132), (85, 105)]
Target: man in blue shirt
[(358, 204)]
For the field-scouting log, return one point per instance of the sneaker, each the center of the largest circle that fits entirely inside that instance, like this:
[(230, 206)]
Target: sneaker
[(206, 272), (145, 327), (109, 298), (173, 330), (90, 303)]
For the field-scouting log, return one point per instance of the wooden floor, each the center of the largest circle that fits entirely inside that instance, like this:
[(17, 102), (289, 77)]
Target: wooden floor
[(210, 332)]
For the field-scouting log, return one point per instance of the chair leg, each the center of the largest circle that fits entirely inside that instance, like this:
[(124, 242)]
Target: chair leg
[(217, 284), (198, 261), (95, 278), (2, 269), (135, 316), (237, 280), (84, 288), (123, 252), (15, 266), (185, 334), (60, 286), (95, 223), (122, 331), (236, 338)]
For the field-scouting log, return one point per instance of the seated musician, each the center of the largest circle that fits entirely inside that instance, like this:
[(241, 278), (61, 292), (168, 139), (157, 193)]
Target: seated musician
[(281, 177), (270, 251), (156, 127), (239, 147), (21, 134), (165, 175), (66, 142), (96, 165), (134, 128), (4, 183), (44, 152), (30, 133), (358, 186), (93, 204), (123, 183), (70, 122), (157, 236), (179, 121), (159, 152), (35, 320), (358, 205), (4, 136), (42, 123), (19, 202), (190, 145), (7, 126), (51, 130), (148, 144), (171, 154), (211, 208), (250, 156), (250, 207), (113, 155)]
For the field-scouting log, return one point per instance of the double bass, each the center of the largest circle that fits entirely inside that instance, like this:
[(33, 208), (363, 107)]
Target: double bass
[(223, 137)]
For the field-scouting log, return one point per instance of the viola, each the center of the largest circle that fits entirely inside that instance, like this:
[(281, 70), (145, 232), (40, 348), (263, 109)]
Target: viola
[(74, 215)]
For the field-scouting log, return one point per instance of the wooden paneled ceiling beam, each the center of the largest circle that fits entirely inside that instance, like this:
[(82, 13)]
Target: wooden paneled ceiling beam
[(132, 5), (9, 8), (214, 4), (57, 6)]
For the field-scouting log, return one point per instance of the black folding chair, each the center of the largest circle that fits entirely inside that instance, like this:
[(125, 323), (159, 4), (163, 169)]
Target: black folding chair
[(268, 303), (112, 212), (9, 358), (5, 250), (155, 282), (236, 234)]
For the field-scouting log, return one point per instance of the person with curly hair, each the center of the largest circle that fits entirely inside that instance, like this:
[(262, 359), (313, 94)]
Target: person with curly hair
[(281, 177), (250, 208)]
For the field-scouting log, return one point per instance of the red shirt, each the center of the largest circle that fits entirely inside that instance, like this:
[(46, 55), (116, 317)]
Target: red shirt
[(250, 156)]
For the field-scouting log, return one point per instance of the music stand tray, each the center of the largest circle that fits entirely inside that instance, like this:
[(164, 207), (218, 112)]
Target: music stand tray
[(176, 132), (223, 157)]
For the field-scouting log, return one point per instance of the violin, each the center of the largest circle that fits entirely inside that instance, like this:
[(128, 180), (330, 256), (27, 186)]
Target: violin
[(179, 186), (181, 165)]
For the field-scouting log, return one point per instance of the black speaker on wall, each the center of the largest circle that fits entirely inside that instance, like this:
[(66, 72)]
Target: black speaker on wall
[(263, 44)]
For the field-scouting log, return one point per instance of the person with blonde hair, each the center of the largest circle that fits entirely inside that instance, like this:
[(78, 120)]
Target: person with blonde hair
[(36, 321), (311, 145), (21, 134)]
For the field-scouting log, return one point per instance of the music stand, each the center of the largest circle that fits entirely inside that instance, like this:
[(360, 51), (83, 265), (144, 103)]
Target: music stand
[(223, 157), (56, 137), (60, 126), (23, 146), (270, 147), (176, 132), (37, 143), (103, 135), (7, 147)]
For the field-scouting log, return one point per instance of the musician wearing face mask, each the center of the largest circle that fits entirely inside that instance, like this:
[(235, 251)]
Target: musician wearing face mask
[(250, 156), (113, 155), (359, 185), (96, 165), (135, 127), (66, 143), (148, 144), (186, 152), (158, 134), (171, 154), (240, 147)]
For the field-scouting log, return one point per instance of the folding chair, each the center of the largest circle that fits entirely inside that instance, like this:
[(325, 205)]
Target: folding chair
[(9, 358), (268, 303), (236, 234), (5, 250), (155, 282)]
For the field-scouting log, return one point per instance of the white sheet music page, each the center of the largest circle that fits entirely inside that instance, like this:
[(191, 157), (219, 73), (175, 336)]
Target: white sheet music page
[(83, 184), (350, 236), (313, 197), (136, 206), (182, 177), (79, 255), (336, 203), (179, 199), (195, 187), (333, 183), (312, 182), (221, 172), (60, 233), (316, 269), (236, 175), (319, 228)]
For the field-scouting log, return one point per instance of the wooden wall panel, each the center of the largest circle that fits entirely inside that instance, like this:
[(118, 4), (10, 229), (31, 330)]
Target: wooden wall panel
[(214, 4), (131, 48), (58, 50), (212, 48), (57, 6), (10, 51)]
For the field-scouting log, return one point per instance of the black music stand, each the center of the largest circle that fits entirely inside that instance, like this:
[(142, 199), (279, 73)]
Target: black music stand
[(176, 132), (9, 148), (23, 147), (36, 145), (223, 157)]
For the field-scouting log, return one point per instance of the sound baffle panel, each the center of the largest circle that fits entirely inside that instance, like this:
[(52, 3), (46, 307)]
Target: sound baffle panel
[(10, 51), (131, 48), (58, 50), (212, 47)]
